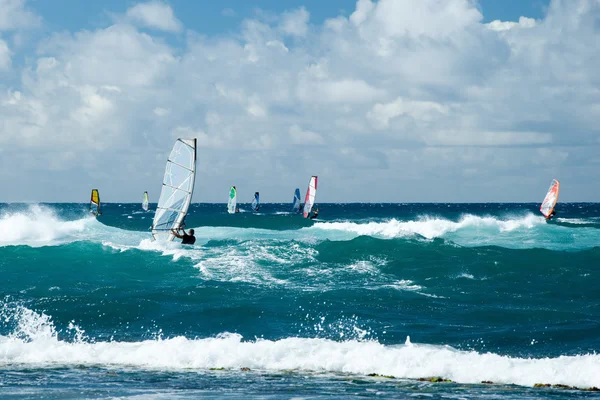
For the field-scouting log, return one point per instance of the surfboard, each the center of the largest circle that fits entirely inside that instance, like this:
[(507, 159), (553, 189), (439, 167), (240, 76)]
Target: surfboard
[(145, 201), (95, 203), (177, 189), (311, 193), (232, 203), (256, 202), (296, 201), (551, 198)]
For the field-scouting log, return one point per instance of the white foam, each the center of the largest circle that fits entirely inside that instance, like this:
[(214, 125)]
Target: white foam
[(34, 343), (430, 227), (39, 226)]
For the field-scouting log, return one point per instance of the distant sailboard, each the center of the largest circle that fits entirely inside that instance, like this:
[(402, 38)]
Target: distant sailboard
[(145, 201), (551, 199), (311, 193), (232, 203), (296, 201), (95, 203), (256, 202), (177, 189)]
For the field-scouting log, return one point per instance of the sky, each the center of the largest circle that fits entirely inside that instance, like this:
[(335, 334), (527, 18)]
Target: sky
[(386, 101)]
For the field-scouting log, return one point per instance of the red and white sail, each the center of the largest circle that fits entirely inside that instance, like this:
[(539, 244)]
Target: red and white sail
[(551, 198), (311, 193)]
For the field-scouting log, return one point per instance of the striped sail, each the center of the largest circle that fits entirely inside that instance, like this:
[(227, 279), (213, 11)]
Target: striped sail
[(177, 189)]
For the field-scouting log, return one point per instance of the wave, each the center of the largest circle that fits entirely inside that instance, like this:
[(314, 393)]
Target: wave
[(429, 227), (40, 226), (519, 232), (34, 342)]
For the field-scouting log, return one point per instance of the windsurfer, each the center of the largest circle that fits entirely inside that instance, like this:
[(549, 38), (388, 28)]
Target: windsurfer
[(315, 214), (552, 214), (187, 238)]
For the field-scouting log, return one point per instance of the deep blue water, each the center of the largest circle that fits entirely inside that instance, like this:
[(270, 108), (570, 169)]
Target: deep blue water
[(467, 292)]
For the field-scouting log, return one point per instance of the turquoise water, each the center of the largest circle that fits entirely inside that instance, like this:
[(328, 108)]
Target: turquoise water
[(271, 305)]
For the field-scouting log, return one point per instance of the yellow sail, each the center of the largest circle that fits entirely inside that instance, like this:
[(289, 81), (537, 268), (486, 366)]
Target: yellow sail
[(95, 202)]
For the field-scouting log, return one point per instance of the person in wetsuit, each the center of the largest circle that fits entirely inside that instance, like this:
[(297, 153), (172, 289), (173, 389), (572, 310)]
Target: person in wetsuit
[(552, 214), (186, 238), (315, 214)]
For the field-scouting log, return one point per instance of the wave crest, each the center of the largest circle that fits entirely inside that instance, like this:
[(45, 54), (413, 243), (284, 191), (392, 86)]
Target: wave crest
[(35, 342)]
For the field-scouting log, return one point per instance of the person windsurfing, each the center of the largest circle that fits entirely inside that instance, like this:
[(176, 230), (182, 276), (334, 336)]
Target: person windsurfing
[(551, 215), (315, 214), (186, 238)]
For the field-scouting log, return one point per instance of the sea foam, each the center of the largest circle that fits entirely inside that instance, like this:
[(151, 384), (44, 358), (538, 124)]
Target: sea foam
[(39, 226), (35, 343)]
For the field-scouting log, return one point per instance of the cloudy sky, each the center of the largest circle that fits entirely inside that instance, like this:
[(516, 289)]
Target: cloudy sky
[(389, 100)]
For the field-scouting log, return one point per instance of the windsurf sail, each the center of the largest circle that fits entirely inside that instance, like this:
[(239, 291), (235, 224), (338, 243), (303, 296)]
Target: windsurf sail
[(256, 202), (95, 203), (177, 189), (296, 201), (145, 201), (551, 199), (232, 204), (311, 192)]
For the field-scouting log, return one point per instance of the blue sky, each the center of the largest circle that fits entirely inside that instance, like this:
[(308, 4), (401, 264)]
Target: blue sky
[(388, 100), (216, 17)]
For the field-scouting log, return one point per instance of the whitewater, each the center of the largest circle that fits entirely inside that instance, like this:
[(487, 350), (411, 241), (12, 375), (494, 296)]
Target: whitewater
[(369, 300)]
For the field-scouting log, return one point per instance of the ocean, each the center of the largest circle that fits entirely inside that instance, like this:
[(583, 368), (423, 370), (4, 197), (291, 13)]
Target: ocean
[(453, 301)]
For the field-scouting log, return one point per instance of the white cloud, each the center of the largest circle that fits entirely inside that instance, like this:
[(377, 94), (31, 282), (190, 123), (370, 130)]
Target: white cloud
[(15, 15), (499, 26), (396, 18), (204, 140), (381, 114), (338, 91), (94, 107), (160, 111), (465, 138), (399, 91), (156, 15), (295, 23), (304, 137)]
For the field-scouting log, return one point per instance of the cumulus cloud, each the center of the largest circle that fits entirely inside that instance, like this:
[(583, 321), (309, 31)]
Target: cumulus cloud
[(498, 25), (156, 15), (14, 14), (422, 94), (295, 23)]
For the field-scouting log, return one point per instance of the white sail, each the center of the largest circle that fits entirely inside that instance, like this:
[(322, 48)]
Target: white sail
[(232, 203), (177, 189), (311, 193), (256, 202)]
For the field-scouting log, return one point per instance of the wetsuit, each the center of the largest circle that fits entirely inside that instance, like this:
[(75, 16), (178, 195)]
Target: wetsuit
[(188, 239)]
